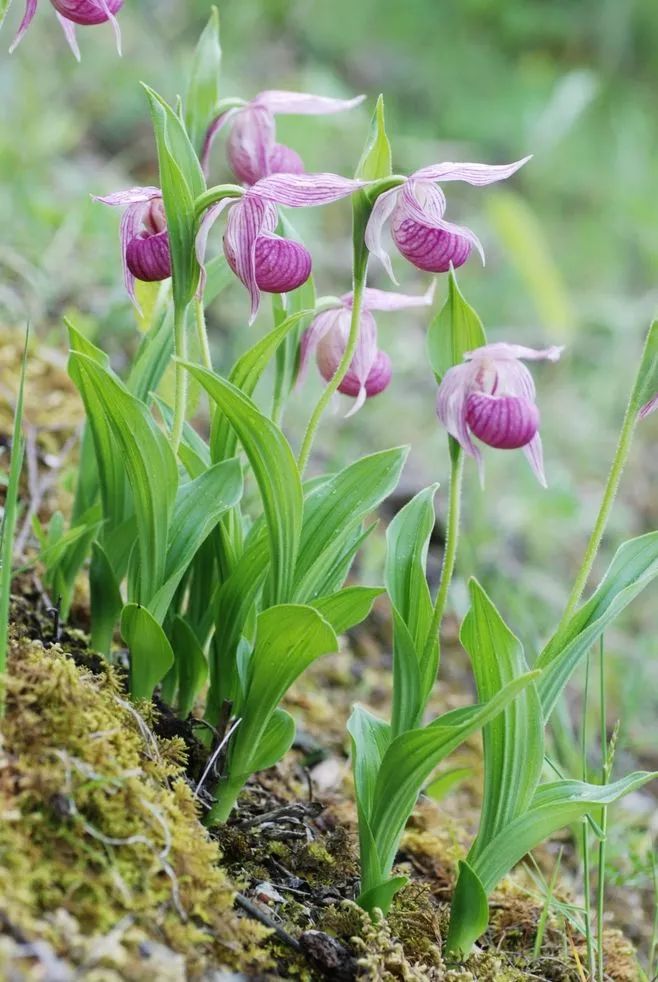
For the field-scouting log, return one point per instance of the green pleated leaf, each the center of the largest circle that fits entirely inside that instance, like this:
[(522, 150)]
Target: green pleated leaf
[(151, 655), (441, 786), (380, 897), (335, 509), (469, 915), (455, 330), (144, 453), (646, 385), (275, 742), (513, 742), (181, 181), (153, 357), (348, 607), (190, 664), (633, 567), (412, 757), (407, 542), (105, 598), (203, 88), (276, 473), (245, 375), (289, 638), (198, 508)]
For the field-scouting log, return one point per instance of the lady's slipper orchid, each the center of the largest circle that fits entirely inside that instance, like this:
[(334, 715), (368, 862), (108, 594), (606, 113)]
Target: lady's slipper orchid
[(492, 396), (253, 152), (262, 260), (370, 370), (72, 12), (144, 237), (416, 209)]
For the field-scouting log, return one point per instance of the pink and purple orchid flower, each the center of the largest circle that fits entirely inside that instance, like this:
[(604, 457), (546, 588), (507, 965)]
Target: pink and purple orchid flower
[(263, 261), (370, 370), (492, 396), (253, 152), (416, 208), (144, 238), (75, 12)]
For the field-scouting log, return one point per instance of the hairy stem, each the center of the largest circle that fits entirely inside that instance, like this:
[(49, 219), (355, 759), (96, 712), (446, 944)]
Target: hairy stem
[(340, 373), (605, 777), (585, 839), (450, 551), (202, 333)]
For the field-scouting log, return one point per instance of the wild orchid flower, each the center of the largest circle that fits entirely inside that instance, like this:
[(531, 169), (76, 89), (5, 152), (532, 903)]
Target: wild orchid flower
[(416, 209), (492, 396), (253, 152), (370, 370), (262, 260), (144, 237), (72, 12)]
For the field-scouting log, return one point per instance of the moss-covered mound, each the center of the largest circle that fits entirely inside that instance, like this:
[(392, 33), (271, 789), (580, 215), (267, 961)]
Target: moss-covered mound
[(104, 865)]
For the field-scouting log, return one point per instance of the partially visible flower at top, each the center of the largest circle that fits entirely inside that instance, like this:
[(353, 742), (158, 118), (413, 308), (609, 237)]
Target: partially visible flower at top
[(72, 12), (370, 370), (253, 152), (649, 407), (416, 209), (492, 396), (144, 238), (262, 260)]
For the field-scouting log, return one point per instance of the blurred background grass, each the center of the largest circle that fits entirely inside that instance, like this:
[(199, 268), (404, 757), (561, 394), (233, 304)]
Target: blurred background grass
[(572, 241)]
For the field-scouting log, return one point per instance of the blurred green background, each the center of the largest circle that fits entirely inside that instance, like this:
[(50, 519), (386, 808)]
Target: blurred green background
[(571, 241)]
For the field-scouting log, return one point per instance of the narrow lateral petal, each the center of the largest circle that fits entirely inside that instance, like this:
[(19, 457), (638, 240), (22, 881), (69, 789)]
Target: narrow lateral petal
[(451, 399), (30, 11), (304, 104), (388, 300), (68, 27), (502, 350), (312, 336), (131, 223), (250, 143), (130, 197), (534, 454), (476, 174), (302, 190), (215, 127), (247, 219), (648, 407), (382, 210)]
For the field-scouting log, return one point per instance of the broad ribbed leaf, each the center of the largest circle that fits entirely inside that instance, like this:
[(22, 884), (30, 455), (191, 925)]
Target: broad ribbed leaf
[(513, 742), (289, 638), (276, 473), (203, 88), (245, 375), (198, 507), (105, 600), (347, 607), (633, 567), (407, 542), (146, 457), (153, 357), (455, 330), (412, 757), (375, 163), (275, 742), (151, 655), (469, 915), (337, 506), (190, 664)]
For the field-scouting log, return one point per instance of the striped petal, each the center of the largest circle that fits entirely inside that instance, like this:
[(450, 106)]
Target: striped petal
[(423, 235), (303, 104), (281, 264), (303, 190), (534, 454), (250, 143), (148, 257), (648, 408), (503, 422), (215, 127), (319, 326), (30, 11), (68, 27), (249, 217), (477, 174), (381, 212), (387, 300), (456, 386)]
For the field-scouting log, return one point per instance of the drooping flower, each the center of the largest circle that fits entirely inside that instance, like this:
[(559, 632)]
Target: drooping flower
[(492, 396), (370, 370), (144, 238), (253, 152), (71, 12), (262, 260), (416, 209)]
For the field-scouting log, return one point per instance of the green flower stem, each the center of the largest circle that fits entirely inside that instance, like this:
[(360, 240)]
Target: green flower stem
[(605, 777), (611, 488), (180, 399), (213, 195), (202, 333), (228, 792), (585, 835), (340, 373), (450, 551)]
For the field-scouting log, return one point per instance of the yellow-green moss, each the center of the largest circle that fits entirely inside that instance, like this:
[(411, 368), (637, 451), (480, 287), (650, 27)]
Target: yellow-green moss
[(102, 857)]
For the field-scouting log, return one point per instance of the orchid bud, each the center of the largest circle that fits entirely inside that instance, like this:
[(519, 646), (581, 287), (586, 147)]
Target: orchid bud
[(86, 13), (492, 397), (416, 208)]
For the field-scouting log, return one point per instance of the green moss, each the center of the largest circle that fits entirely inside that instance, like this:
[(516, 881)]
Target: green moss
[(101, 849)]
